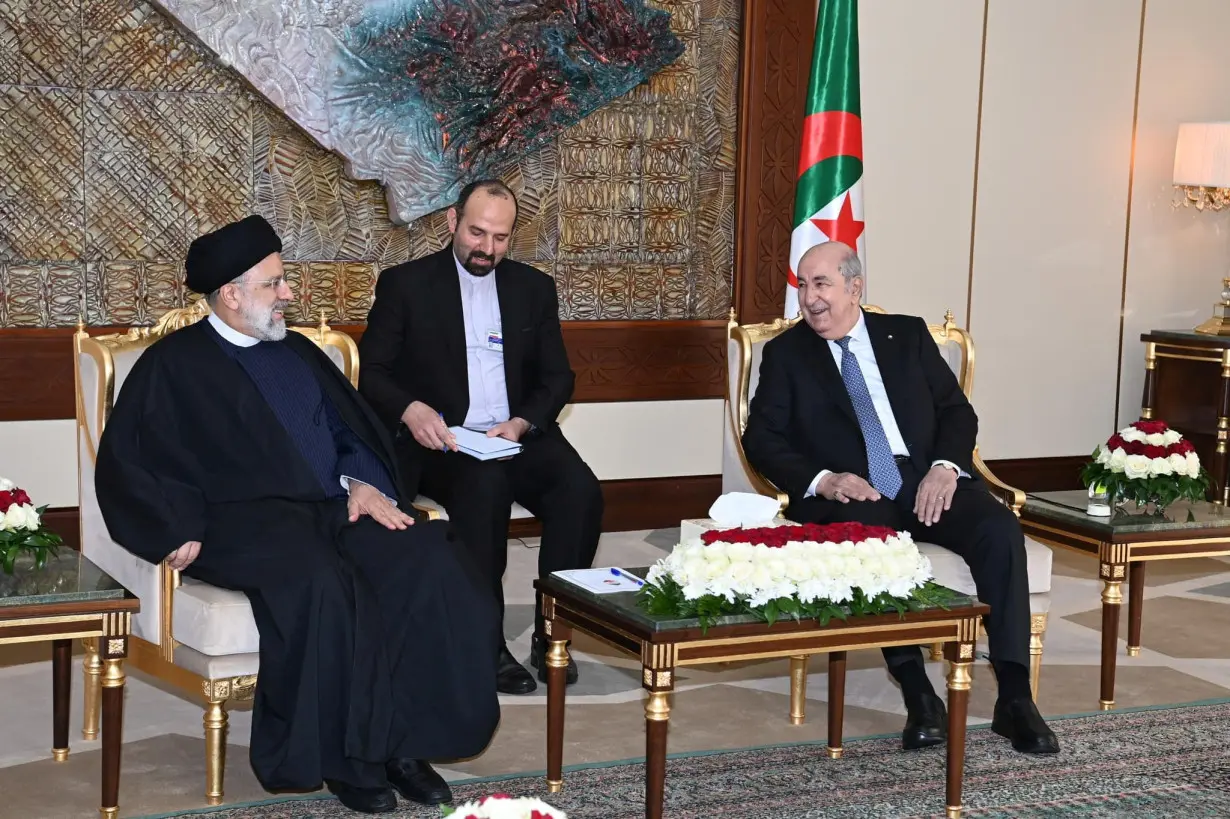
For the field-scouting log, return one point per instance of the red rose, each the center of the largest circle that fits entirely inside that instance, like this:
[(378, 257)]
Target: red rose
[(20, 497), (6, 500), (1134, 447), (1155, 451), (1183, 447), (1151, 427), (1115, 442)]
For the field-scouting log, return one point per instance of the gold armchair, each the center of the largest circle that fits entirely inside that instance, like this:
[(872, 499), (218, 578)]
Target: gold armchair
[(744, 347), (194, 636)]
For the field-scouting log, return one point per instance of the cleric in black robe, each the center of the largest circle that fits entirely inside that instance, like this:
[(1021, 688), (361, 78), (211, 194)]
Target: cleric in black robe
[(241, 453)]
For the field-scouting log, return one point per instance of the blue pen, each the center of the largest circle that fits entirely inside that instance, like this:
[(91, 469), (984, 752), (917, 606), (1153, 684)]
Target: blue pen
[(622, 573)]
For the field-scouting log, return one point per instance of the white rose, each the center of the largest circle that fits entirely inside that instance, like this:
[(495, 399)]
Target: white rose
[(1178, 464), (695, 568), (739, 551), (761, 577), (1132, 434), (776, 567), (1171, 437), (32, 521), (716, 566), (1193, 464), (15, 518), (1103, 454), (716, 550), (798, 570), (1117, 459), (6, 485), (1160, 466), (1155, 439), (740, 570), (1136, 466)]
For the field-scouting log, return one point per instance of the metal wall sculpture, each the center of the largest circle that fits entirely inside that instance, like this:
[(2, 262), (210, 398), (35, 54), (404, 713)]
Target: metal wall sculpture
[(122, 138), (422, 95)]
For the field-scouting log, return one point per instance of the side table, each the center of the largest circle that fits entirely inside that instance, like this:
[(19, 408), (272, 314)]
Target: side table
[(71, 598)]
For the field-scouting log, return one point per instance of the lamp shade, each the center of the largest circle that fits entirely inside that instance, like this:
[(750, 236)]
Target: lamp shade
[(1202, 155)]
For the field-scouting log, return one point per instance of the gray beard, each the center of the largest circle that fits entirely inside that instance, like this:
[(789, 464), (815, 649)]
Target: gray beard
[(262, 322)]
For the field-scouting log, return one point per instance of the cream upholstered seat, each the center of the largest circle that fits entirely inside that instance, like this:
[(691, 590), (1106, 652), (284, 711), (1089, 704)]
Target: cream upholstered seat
[(197, 637), (745, 344)]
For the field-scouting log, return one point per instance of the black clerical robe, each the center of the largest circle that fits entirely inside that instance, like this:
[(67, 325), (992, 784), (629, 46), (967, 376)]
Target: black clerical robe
[(375, 644)]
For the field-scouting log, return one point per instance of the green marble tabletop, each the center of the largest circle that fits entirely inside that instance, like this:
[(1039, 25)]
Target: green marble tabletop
[(1069, 506), (66, 578), (624, 605)]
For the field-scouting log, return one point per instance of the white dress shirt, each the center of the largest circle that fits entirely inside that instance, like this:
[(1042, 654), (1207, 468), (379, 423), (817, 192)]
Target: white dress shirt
[(480, 308), (860, 346), (239, 339)]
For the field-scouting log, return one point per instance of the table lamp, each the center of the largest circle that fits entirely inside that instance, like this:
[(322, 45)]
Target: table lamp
[(1202, 173)]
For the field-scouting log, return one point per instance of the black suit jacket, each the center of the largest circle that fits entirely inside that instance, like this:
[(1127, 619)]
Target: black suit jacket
[(801, 420), (414, 348)]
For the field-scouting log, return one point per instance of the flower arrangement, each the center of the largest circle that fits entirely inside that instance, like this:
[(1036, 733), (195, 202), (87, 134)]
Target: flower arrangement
[(1147, 462), (807, 571), (21, 528), (503, 806)]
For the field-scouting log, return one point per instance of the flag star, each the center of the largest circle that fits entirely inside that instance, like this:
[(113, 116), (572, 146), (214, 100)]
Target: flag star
[(845, 228)]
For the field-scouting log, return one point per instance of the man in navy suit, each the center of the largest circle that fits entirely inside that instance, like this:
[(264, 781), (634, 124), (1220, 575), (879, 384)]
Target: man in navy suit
[(858, 418)]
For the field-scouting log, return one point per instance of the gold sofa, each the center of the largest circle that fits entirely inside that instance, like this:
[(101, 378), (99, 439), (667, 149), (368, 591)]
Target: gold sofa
[(745, 344), (194, 636)]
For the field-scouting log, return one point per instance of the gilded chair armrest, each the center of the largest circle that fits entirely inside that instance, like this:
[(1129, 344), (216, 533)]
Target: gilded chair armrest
[(427, 512), (1011, 496), (169, 580)]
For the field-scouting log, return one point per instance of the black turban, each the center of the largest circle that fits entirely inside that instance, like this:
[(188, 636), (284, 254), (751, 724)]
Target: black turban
[(226, 254)]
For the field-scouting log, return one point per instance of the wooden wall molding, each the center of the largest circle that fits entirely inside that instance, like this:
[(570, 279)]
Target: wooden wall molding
[(613, 360), (775, 69), (1040, 474), (631, 505)]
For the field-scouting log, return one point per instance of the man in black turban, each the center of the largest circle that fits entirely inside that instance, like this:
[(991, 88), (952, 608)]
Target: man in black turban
[(241, 455)]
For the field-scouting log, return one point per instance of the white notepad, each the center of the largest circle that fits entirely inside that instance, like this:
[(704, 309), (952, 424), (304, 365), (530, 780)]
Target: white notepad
[(602, 581), (478, 445)]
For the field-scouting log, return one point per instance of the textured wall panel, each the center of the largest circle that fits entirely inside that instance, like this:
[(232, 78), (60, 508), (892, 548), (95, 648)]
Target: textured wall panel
[(122, 138)]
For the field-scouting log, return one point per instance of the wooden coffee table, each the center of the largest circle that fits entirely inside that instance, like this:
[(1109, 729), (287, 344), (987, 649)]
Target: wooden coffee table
[(665, 644), (1123, 544), (71, 598)]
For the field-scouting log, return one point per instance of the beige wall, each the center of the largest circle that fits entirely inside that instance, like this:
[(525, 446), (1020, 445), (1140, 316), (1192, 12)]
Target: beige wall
[(1037, 255), (641, 439)]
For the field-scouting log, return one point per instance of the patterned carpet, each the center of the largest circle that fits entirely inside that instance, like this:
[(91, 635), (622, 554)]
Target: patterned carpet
[(1148, 763)]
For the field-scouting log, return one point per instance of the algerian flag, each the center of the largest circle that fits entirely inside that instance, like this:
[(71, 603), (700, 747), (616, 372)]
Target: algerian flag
[(828, 202)]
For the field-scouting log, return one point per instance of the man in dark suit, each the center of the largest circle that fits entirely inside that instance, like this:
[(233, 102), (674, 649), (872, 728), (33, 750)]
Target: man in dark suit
[(858, 418), (468, 337)]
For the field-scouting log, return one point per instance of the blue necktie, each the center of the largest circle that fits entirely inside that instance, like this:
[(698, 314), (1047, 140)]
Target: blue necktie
[(885, 476)]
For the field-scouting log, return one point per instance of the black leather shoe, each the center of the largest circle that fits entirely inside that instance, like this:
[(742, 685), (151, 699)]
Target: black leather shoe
[(1018, 720), (538, 659), (926, 723), (363, 800), (511, 677), (418, 782)]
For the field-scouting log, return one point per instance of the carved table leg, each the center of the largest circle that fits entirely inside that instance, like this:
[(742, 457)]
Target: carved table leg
[(657, 713), (557, 682), (112, 730), (1112, 602), (798, 690), (61, 688), (1136, 605), (960, 656), (91, 670), (837, 701)]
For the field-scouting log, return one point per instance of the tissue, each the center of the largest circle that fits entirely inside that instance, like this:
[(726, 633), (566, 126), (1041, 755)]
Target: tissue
[(743, 509)]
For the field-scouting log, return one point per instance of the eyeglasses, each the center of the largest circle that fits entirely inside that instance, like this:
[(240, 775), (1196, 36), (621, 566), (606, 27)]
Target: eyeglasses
[(269, 284)]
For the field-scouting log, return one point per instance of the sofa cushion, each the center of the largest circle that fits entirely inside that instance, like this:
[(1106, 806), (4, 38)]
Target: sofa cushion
[(951, 571), (213, 621)]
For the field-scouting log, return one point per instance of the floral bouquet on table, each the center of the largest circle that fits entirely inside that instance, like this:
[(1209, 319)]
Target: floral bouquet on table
[(503, 806), (807, 571), (1147, 462), (21, 528)]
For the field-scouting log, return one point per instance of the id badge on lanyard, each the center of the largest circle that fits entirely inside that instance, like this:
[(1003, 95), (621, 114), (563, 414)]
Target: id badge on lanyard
[(495, 340)]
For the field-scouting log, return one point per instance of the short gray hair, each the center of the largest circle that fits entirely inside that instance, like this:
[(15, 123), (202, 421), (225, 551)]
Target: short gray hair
[(851, 268), (212, 298)]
